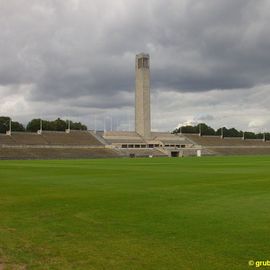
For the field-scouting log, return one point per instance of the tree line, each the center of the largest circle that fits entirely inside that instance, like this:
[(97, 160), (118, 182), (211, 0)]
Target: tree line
[(204, 129), (35, 124)]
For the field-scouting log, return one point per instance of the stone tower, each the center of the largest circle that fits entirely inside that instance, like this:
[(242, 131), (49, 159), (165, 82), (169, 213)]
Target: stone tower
[(142, 96)]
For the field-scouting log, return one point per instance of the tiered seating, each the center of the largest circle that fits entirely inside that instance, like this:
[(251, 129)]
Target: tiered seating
[(122, 137), (50, 138), (231, 146), (76, 144), (168, 139), (242, 151), (23, 138), (72, 138), (4, 139), (56, 153), (217, 141)]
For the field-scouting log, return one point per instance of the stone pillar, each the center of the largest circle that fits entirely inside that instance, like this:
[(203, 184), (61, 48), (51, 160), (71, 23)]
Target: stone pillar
[(142, 96)]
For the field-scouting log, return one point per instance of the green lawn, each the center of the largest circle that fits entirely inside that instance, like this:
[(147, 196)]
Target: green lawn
[(190, 213)]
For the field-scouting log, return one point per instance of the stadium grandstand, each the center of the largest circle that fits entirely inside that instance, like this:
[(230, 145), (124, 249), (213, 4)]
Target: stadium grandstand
[(50, 138), (218, 145), (90, 144), (74, 144)]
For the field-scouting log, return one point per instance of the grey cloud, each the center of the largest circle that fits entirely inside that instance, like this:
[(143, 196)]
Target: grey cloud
[(197, 45), (207, 118)]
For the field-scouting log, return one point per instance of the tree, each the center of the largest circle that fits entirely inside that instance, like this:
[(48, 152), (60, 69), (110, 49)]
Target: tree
[(77, 126), (59, 125), (56, 125), (16, 126), (4, 125), (33, 125), (250, 135), (206, 130), (231, 132), (186, 129)]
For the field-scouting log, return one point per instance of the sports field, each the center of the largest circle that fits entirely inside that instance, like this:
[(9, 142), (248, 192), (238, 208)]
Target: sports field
[(190, 213)]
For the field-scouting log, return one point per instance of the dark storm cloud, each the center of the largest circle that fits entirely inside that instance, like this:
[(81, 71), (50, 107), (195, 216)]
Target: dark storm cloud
[(216, 44), (77, 47)]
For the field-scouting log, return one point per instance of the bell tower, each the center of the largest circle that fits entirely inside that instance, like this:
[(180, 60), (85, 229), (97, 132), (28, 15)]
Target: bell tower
[(142, 96)]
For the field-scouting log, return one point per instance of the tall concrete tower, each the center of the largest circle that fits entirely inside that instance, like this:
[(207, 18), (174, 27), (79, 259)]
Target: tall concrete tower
[(142, 96)]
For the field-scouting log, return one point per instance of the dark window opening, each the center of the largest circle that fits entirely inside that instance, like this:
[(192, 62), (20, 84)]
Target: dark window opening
[(143, 62), (174, 154)]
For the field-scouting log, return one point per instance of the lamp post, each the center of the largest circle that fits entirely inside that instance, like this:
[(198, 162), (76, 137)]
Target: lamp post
[(222, 133), (68, 126), (40, 127), (95, 123), (10, 127), (104, 124)]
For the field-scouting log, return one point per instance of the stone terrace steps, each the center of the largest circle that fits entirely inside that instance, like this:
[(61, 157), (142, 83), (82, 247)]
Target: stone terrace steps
[(242, 151), (56, 153), (50, 138), (217, 141)]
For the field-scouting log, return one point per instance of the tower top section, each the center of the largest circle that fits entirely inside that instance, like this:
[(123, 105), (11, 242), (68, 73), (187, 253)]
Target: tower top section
[(142, 55), (142, 61)]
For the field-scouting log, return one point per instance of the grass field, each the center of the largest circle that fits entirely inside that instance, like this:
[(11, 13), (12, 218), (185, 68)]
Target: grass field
[(208, 213)]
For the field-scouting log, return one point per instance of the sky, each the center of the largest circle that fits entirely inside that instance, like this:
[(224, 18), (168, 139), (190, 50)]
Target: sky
[(75, 59)]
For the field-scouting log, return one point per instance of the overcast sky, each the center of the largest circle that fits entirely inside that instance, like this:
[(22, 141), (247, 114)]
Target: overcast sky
[(210, 60)]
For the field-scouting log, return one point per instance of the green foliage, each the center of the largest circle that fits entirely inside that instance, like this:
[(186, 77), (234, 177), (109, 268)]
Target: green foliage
[(250, 135), (16, 126), (227, 132), (33, 125), (4, 125), (231, 132), (267, 136), (56, 125), (77, 126), (206, 129)]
